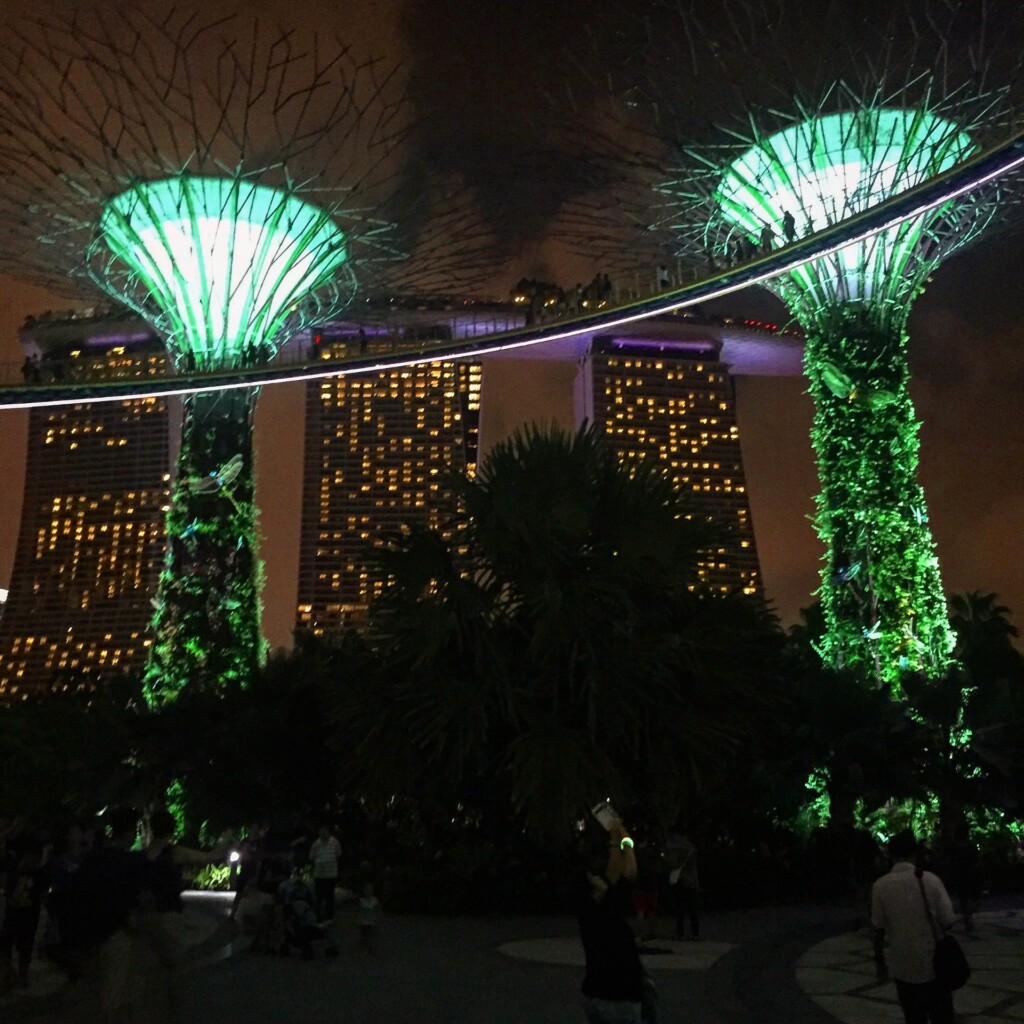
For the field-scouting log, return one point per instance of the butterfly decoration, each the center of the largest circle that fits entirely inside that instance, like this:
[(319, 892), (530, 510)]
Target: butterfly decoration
[(835, 380), (217, 602), (840, 384), (873, 398)]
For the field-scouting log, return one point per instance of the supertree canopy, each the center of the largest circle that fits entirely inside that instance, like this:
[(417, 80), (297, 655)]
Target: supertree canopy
[(832, 122), (219, 263), (234, 188), (825, 169)]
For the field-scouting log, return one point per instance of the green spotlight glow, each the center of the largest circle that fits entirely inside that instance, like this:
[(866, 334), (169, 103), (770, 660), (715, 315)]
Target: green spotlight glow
[(227, 269), (226, 261), (826, 169), (881, 589)]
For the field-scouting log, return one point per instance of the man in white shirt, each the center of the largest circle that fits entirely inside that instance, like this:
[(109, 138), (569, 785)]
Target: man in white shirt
[(323, 855), (898, 915)]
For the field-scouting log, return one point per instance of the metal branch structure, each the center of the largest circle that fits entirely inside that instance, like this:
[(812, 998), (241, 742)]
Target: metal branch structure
[(234, 186), (221, 265), (834, 117)]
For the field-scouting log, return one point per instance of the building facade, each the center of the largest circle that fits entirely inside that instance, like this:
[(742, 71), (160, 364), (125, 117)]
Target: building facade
[(379, 446), (673, 401), (379, 449), (91, 539)]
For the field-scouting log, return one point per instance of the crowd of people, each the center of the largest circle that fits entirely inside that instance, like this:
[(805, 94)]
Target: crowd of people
[(545, 300), (741, 247), (98, 901), (60, 367), (286, 889), (101, 890)]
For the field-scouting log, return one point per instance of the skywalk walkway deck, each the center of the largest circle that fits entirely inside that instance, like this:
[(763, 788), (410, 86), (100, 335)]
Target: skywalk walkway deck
[(980, 171)]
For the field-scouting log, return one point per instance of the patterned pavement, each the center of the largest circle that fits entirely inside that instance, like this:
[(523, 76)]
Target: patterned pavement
[(839, 975), (770, 965)]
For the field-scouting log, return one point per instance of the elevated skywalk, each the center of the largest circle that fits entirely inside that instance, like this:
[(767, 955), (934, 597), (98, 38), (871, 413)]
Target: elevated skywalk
[(62, 389)]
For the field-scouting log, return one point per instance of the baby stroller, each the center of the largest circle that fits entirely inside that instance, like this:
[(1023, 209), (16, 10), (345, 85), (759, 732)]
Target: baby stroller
[(299, 924)]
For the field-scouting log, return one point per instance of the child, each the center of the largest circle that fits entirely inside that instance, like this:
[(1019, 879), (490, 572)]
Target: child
[(368, 907)]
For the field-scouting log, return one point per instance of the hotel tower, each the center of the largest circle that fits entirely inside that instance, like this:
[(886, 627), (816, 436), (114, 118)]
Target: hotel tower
[(377, 451)]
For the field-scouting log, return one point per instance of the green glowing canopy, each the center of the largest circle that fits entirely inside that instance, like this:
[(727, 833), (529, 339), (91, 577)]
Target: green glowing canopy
[(224, 261), (828, 168)]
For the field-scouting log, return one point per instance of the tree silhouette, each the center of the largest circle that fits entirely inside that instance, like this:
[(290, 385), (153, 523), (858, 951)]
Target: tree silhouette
[(556, 651)]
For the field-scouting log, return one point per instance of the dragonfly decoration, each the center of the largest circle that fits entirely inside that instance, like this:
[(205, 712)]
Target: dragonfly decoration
[(873, 632), (218, 480), (846, 574), (842, 386)]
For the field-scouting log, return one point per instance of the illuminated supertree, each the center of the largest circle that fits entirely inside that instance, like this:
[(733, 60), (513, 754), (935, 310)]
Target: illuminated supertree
[(232, 187), (834, 120)]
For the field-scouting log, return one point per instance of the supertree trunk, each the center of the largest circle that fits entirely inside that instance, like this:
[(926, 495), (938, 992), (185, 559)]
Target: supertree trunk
[(881, 590), (233, 185), (822, 116), (206, 628)]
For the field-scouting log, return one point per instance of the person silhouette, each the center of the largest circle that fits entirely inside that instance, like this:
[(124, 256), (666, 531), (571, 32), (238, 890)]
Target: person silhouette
[(613, 986), (789, 227)]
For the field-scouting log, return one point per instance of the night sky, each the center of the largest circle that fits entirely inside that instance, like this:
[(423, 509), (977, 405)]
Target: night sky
[(491, 65)]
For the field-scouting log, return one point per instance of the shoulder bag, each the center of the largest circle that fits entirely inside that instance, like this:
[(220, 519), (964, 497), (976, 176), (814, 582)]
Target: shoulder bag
[(951, 967)]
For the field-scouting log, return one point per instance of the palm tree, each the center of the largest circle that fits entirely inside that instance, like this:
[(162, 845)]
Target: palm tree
[(984, 634), (557, 650)]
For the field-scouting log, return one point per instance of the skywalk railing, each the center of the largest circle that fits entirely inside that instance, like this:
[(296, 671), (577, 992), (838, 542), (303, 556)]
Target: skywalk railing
[(389, 352), (392, 336)]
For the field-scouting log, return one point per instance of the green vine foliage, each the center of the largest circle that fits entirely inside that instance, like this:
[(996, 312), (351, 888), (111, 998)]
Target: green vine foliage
[(881, 589), (206, 626)]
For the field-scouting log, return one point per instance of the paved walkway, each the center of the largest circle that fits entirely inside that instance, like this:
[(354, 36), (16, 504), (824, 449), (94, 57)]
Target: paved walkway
[(788, 965), (839, 975)]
